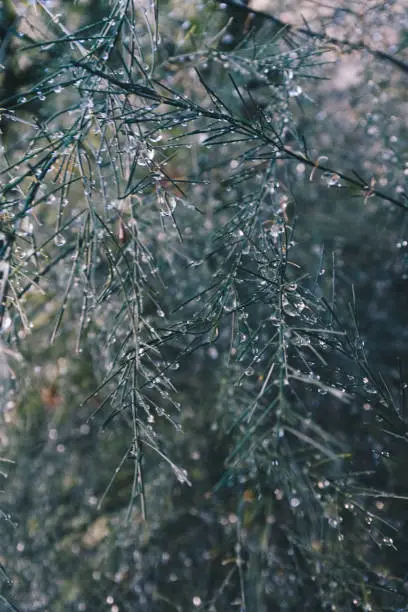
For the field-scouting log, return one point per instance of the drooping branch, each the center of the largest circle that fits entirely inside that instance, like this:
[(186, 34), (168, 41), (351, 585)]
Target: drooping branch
[(345, 45), (246, 127)]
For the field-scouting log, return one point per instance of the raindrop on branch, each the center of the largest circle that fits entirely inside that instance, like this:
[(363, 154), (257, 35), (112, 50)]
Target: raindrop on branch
[(59, 240)]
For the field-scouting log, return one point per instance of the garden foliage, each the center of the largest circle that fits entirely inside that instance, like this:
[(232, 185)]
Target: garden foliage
[(203, 309)]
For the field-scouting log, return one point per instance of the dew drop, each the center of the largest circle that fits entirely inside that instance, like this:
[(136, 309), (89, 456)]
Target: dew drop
[(59, 240)]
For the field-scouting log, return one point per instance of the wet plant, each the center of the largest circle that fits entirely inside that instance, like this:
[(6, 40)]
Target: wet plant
[(154, 234)]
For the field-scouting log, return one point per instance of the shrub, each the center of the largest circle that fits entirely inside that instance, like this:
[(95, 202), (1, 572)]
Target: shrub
[(202, 312)]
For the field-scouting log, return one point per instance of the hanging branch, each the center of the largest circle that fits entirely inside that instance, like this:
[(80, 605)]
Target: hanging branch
[(346, 46)]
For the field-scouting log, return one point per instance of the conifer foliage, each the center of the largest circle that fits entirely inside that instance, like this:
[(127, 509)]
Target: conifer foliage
[(203, 308)]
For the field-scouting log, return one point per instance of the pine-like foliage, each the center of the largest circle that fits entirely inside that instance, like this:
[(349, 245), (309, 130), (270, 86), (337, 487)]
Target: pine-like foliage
[(193, 255)]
